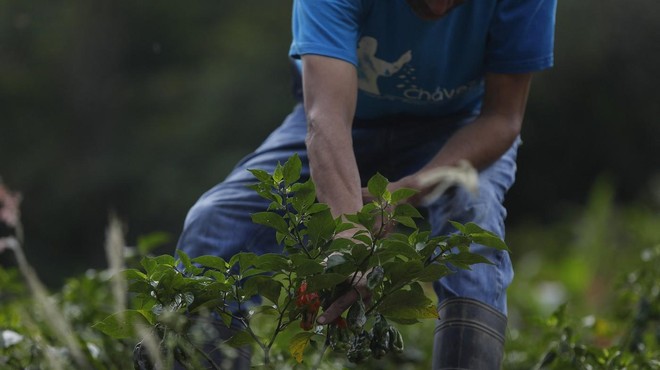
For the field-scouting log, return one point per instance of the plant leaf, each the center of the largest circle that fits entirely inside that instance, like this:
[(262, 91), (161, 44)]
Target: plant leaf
[(304, 266), (262, 176), (377, 186), (240, 339), (401, 194), (405, 304), (412, 313), (481, 236), (214, 262), (490, 240), (392, 248), (298, 344), (463, 260), (325, 281), (406, 221), (459, 226), (151, 263), (359, 252), (320, 227), (245, 261), (278, 173), (272, 262), (121, 325), (134, 274), (187, 264), (271, 219), (399, 271), (291, 169), (304, 195), (433, 272), (406, 209), (266, 286)]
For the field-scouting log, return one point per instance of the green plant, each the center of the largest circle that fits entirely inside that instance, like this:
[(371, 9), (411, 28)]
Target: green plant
[(316, 266), (40, 330), (604, 266), (636, 347), (619, 331)]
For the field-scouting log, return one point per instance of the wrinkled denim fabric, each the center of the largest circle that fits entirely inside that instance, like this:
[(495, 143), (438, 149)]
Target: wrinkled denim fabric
[(219, 223)]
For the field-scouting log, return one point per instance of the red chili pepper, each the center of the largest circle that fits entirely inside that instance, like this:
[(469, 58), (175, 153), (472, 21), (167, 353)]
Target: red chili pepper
[(340, 322), (310, 304)]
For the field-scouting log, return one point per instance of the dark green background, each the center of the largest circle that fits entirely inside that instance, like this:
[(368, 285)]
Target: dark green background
[(137, 107)]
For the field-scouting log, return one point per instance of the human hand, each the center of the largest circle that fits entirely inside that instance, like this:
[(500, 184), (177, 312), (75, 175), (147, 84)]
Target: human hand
[(430, 184), (350, 295), (437, 181)]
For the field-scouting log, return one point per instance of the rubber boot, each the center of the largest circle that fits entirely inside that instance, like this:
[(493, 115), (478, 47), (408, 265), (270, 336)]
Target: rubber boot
[(469, 336)]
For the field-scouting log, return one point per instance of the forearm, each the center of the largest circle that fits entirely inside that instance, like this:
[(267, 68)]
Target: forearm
[(330, 93), (485, 140), (481, 143), (333, 167)]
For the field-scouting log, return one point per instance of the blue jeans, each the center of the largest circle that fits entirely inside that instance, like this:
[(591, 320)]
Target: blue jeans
[(220, 224)]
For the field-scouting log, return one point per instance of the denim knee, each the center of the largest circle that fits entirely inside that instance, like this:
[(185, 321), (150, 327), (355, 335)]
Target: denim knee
[(484, 282), (220, 224)]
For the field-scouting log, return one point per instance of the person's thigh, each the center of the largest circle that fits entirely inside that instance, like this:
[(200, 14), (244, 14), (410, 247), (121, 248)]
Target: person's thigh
[(484, 282)]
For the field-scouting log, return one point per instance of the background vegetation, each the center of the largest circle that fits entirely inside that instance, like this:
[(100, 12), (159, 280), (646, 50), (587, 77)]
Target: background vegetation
[(139, 107)]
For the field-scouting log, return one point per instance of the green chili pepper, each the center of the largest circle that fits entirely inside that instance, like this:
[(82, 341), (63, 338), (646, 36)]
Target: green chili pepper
[(396, 340), (375, 277), (356, 317), (359, 349)]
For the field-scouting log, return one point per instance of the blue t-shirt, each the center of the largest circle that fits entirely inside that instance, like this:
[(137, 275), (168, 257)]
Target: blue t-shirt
[(407, 65)]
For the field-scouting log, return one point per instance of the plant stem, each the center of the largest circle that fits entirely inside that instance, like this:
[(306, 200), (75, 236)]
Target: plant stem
[(366, 259), (55, 318), (294, 231), (248, 328), (382, 218), (279, 327), (319, 360), (384, 295), (207, 358)]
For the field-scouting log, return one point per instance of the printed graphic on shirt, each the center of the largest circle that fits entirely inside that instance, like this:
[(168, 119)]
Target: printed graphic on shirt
[(372, 68)]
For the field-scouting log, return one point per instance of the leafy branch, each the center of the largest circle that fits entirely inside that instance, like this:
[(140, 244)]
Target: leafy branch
[(316, 266)]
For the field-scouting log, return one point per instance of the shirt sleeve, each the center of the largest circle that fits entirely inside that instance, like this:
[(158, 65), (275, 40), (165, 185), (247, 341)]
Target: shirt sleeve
[(521, 36), (326, 27)]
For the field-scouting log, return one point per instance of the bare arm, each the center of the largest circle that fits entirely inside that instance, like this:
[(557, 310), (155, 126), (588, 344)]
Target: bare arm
[(491, 134), (330, 93), (481, 143)]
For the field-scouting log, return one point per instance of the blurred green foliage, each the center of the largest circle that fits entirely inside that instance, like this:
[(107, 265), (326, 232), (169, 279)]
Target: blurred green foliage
[(586, 296), (587, 289), (139, 107)]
